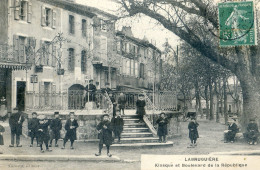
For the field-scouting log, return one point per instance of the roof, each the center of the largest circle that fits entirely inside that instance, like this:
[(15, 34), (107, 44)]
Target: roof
[(138, 41), (79, 8)]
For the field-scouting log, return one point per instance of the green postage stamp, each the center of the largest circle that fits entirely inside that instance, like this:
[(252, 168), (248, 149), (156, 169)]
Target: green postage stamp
[(237, 23)]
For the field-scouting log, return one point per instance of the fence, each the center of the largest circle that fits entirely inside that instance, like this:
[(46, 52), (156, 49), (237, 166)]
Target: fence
[(76, 100)]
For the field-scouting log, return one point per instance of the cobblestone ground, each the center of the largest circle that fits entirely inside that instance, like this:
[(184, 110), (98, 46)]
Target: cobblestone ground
[(211, 140)]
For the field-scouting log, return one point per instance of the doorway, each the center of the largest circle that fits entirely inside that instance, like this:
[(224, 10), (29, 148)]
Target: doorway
[(20, 95)]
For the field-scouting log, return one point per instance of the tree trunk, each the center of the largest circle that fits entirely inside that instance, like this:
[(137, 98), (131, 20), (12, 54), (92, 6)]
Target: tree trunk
[(207, 101), (225, 100), (198, 102), (217, 102), (211, 114)]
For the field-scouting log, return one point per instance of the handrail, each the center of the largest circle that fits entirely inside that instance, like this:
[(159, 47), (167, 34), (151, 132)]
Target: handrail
[(109, 109), (150, 125)]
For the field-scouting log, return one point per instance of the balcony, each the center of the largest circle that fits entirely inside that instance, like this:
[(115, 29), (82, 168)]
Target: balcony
[(9, 58)]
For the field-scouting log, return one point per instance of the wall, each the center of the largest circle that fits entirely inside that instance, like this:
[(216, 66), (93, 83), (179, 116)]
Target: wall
[(3, 21)]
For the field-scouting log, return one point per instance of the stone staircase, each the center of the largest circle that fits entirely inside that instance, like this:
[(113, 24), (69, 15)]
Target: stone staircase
[(137, 134)]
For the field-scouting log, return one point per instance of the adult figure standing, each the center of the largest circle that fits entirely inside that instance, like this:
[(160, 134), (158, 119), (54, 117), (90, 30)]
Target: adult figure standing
[(91, 91), (140, 104), (121, 103), (16, 124)]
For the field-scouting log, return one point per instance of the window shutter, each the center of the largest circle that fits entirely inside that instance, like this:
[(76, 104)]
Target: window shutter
[(41, 53), (43, 21), (54, 13), (16, 9), (16, 47), (29, 14), (54, 55)]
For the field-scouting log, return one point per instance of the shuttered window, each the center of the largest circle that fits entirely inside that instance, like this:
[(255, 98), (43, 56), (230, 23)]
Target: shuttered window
[(84, 28), (23, 10), (71, 59), (103, 46), (83, 61), (71, 24)]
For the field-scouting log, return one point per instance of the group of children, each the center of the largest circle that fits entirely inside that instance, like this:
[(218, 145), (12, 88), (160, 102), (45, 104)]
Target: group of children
[(39, 127)]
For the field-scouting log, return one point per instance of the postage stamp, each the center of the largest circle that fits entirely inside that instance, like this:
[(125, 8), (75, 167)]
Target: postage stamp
[(236, 24)]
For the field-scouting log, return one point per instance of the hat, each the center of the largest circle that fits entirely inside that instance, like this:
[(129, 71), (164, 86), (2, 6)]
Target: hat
[(162, 113), (252, 119), (16, 108), (141, 95), (34, 113), (56, 113), (105, 115)]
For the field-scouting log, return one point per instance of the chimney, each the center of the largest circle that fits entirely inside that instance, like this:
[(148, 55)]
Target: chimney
[(127, 31)]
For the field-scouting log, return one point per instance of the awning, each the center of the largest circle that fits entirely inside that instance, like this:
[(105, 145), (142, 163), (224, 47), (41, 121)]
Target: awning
[(15, 66)]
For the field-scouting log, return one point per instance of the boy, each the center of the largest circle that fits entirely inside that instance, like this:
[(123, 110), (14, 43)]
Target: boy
[(162, 127), (118, 124), (121, 103), (140, 104), (252, 132), (193, 132), (43, 132), (2, 129), (104, 134), (33, 128), (55, 129), (16, 124), (71, 128), (231, 133)]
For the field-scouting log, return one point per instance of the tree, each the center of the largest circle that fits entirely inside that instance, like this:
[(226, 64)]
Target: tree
[(183, 18)]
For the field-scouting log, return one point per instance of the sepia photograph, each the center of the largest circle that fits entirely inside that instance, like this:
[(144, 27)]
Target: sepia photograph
[(129, 84)]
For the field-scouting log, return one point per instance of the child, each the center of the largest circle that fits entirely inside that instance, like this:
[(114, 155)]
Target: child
[(43, 132), (55, 129), (231, 133), (252, 132), (118, 124), (162, 127), (140, 104), (104, 134), (2, 129), (193, 132), (71, 127), (33, 128)]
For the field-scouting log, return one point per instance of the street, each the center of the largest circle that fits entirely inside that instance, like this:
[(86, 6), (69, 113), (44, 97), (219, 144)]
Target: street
[(211, 140)]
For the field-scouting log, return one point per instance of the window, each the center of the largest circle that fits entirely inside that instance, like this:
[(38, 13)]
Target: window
[(71, 24), (48, 17), (47, 93), (83, 61), (103, 48), (71, 59), (84, 28), (45, 55), (141, 70), (21, 54), (103, 25), (128, 66), (23, 10), (132, 67), (118, 46)]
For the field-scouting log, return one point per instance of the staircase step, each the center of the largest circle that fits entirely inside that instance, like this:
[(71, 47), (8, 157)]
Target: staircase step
[(130, 116), (140, 140), (149, 145), (128, 121), (135, 130), (137, 135), (134, 125)]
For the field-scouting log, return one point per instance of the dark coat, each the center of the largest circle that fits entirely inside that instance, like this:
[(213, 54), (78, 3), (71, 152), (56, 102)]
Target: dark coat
[(16, 122), (71, 133), (2, 129), (56, 124), (193, 131), (117, 123), (121, 102), (140, 104), (252, 131), (162, 126), (43, 132), (105, 135), (33, 124), (91, 90), (232, 133)]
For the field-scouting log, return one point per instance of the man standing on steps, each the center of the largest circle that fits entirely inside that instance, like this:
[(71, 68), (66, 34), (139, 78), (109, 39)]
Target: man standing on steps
[(140, 104), (16, 124)]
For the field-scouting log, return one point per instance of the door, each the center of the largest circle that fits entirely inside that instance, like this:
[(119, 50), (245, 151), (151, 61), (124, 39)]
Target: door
[(20, 97)]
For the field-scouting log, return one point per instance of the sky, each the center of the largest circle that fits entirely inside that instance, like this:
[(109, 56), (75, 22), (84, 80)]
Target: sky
[(141, 27)]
